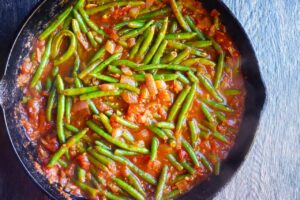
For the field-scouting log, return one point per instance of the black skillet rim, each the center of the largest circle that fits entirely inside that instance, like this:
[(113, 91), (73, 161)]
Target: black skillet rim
[(205, 190)]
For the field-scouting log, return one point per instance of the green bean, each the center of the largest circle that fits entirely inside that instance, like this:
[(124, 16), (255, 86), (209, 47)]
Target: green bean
[(169, 57), (99, 94), (181, 46), (88, 189), (200, 44), (136, 47), (80, 4), (102, 145), (98, 55), (220, 116), (128, 136), (98, 39), (173, 27), (80, 36), (188, 167), (159, 53), (169, 133), (192, 77), (147, 177), (161, 183), (112, 196), (179, 16), (79, 91), (90, 23), (43, 64), (135, 182), (106, 62), (191, 23), (218, 106), (47, 32), (39, 86), (55, 71), (97, 163), (60, 110), (102, 159), (68, 106), (121, 152), (217, 168), (174, 162), (154, 148), (209, 87), (167, 125), (114, 69), (64, 148), (125, 23), (124, 31), (232, 92), (157, 42), (155, 13), (180, 36), (136, 24), (67, 22), (128, 188), (81, 173), (126, 63), (92, 39), (165, 77), (205, 162), (94, 173), (101, 8), (202, 61), (50, 103), (179, 178), (105, 78), (48, 84), (184, 110), (115, 141), (181, 56), (83, 26), (220, 137), (106, 122), (62, 163), (219, 71), (163, 66), (136, 32), (125, 86), (160, 133), (191, 152), (177, 104), (194, 130), (126, 123), (173, 194), (71, 128), (146, 43)]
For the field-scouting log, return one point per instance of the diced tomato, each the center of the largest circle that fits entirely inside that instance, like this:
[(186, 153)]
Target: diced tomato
[(129, 97), (83, 161)]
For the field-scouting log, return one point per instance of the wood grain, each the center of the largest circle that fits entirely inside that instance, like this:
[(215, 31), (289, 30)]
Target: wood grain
[(271, 170)]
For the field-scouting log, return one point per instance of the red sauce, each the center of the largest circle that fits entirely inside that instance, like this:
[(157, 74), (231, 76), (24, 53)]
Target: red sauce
[(151, 105)]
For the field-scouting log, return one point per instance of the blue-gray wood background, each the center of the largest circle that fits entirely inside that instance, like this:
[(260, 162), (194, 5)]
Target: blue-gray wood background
[(272, 168)]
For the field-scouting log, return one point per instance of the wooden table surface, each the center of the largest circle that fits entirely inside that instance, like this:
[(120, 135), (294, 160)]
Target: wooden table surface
[(272, 168)]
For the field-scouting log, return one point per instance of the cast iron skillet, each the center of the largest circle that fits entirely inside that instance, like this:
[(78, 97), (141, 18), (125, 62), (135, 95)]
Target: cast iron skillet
[(10, 96)]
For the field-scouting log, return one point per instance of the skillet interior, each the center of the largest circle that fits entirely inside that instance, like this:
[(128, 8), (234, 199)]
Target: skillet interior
[(25, 150)]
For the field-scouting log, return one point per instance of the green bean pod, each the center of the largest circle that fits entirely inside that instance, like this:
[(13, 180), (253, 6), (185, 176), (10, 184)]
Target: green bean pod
[(54, 25), (161, 183), (154, 148), (42, 65)]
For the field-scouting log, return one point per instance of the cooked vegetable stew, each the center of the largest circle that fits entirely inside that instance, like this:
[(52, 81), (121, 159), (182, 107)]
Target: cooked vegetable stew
[(132, 99)]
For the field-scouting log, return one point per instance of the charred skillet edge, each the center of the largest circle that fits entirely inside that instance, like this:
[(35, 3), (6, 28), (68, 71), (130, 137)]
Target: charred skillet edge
[(206, 190), (10, 94)]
